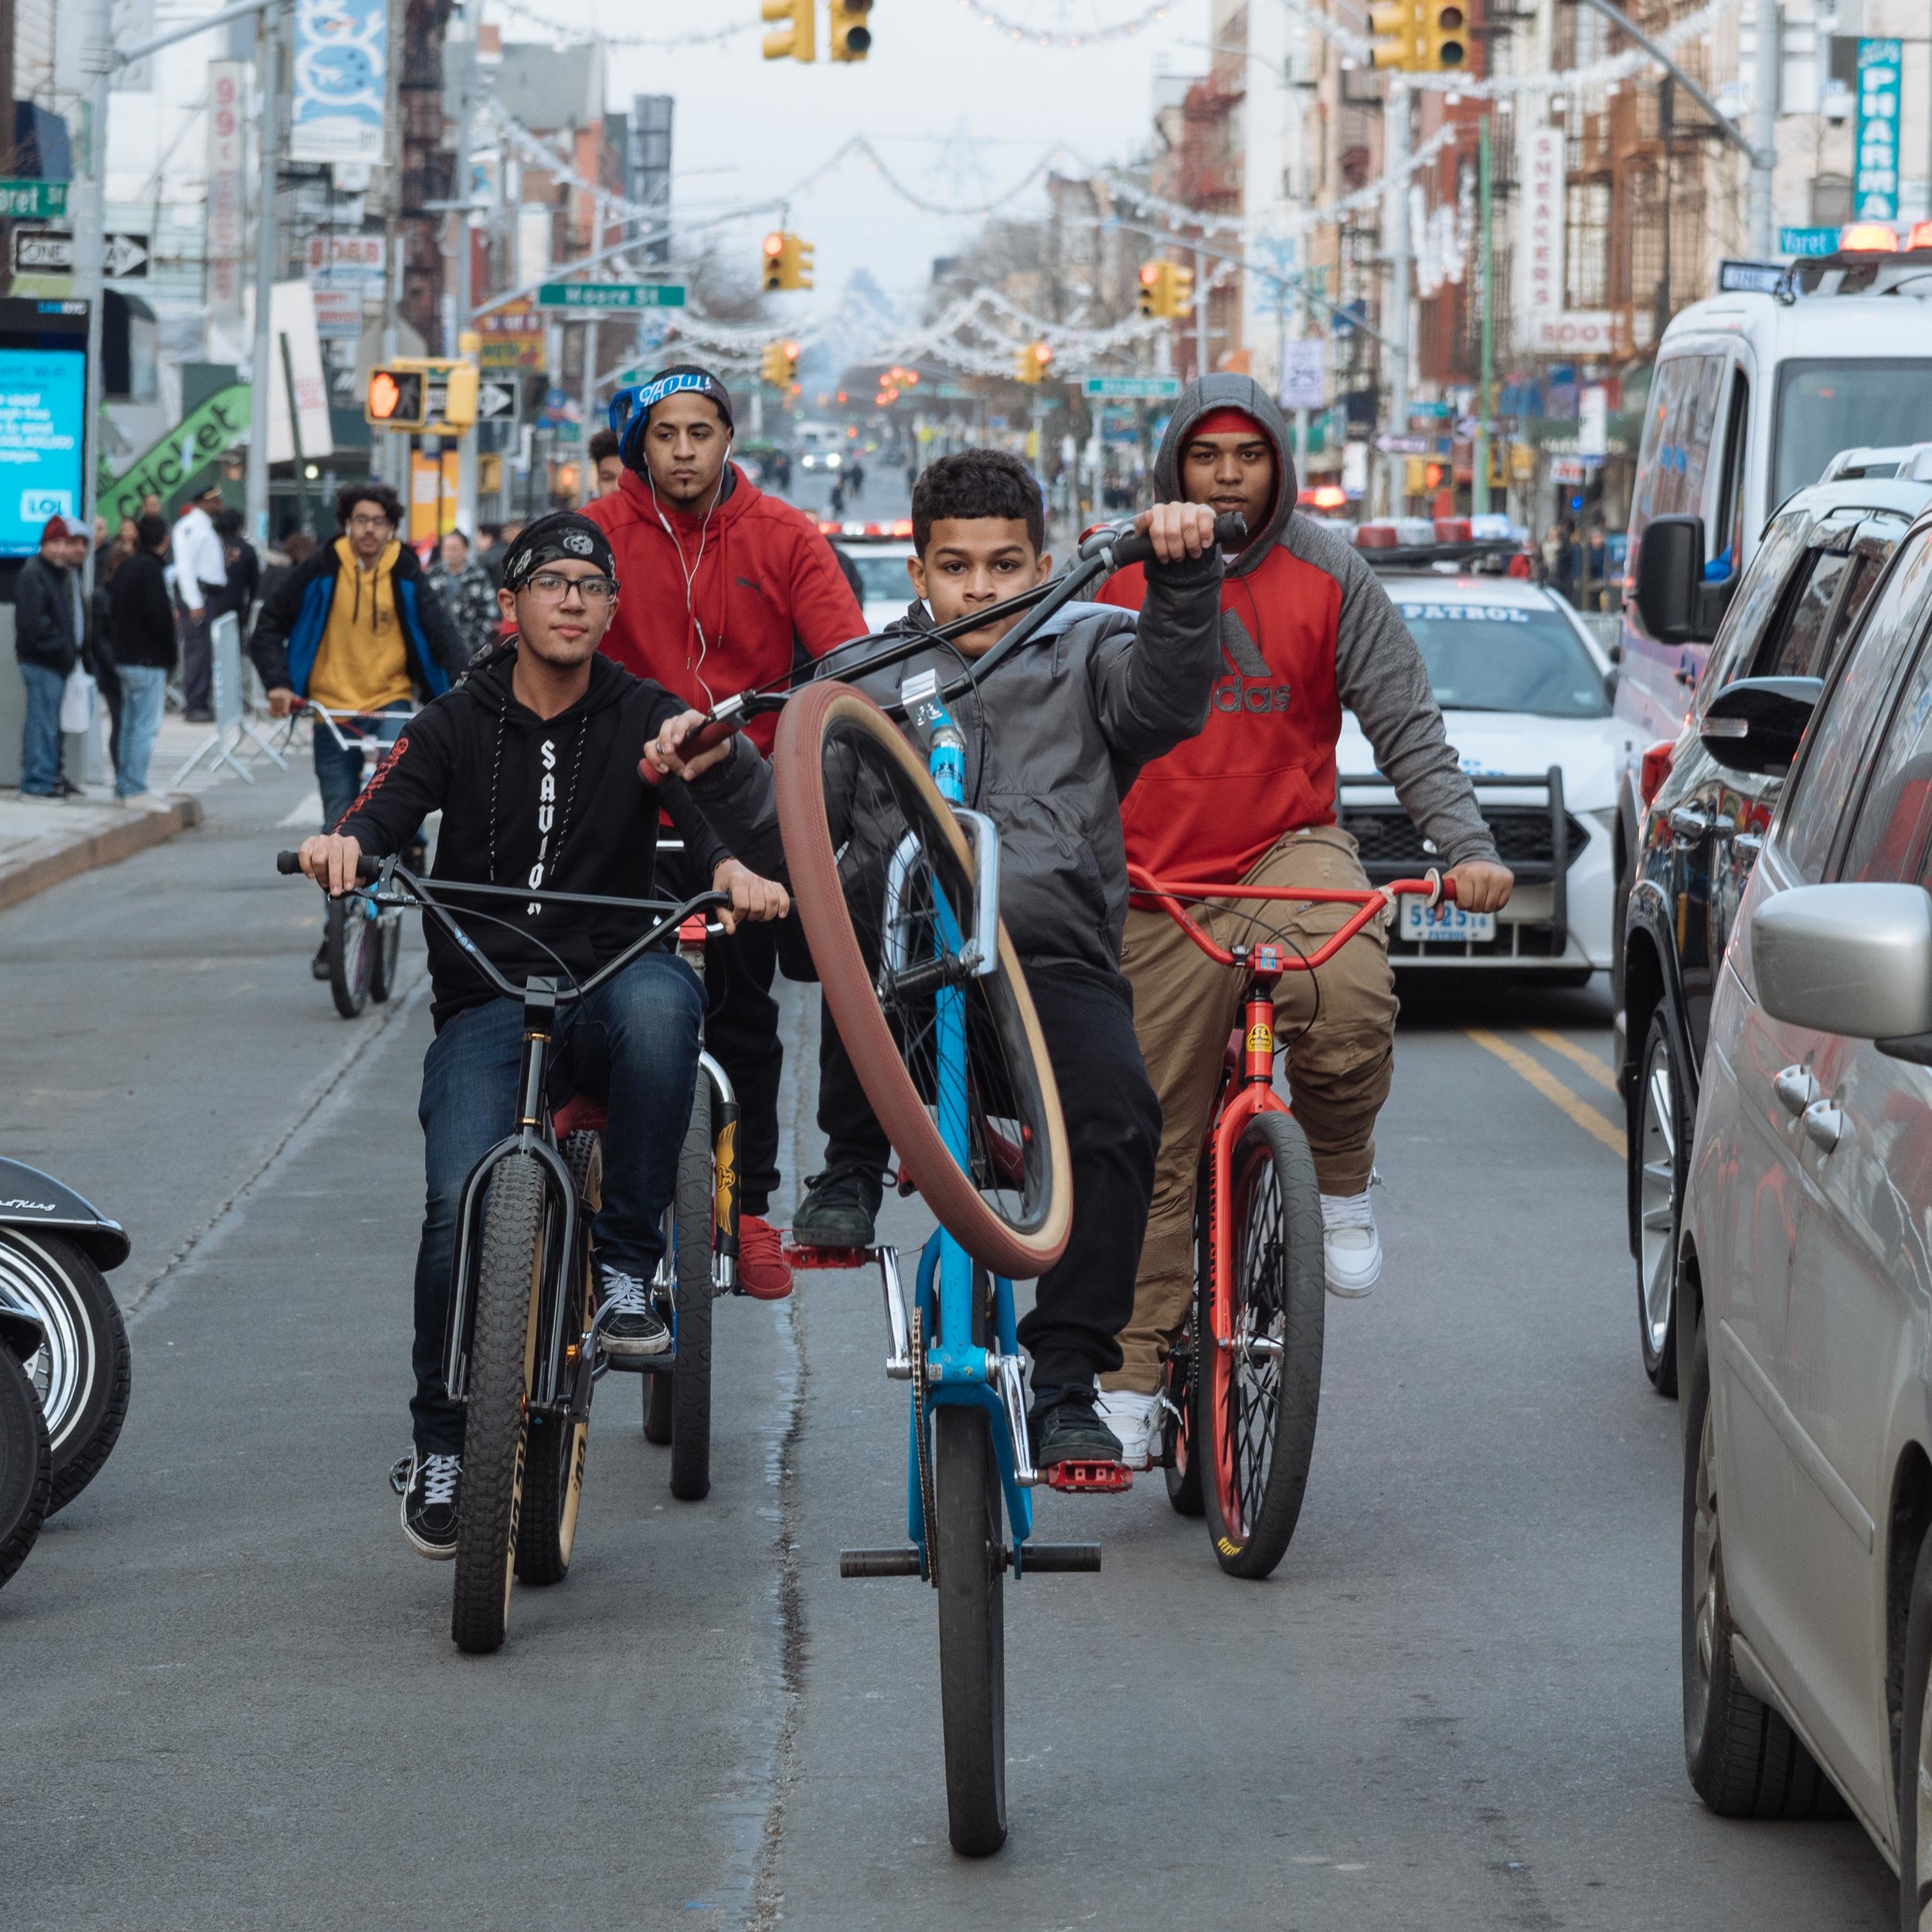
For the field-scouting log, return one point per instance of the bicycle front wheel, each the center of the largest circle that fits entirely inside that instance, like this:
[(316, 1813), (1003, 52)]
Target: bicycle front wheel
[(351, 936), (385, 957), (883, 877), (502, 1362), (678, 1405), (969, 1553), (1258, 1354)]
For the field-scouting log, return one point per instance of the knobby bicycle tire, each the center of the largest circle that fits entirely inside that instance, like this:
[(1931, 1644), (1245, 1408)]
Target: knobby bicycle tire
[(83, 1373), (26, 1466), (679, 1405), (349, 933), (503, 1359), (1254, 1429), (1023, 1249), (970, 1538)]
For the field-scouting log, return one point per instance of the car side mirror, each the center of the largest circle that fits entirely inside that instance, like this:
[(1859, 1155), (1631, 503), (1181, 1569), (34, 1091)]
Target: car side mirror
[(1854, 959), (1676, 604), (1756, 724)]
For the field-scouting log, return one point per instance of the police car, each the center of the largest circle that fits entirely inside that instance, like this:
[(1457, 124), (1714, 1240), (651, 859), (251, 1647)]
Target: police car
[(1526, 692), (879, 553)]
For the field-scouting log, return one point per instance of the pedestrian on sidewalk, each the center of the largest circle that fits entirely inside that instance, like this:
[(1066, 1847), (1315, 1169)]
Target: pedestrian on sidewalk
[(468, 596), (145, 651), (48, 627), (243, 568), (201, 575)]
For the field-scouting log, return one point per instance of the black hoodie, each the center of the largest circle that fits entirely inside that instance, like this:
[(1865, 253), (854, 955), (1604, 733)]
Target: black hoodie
[(528, 800)]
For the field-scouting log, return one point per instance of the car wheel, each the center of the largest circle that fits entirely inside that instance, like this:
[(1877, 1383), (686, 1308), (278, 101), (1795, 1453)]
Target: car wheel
[(1659, 1157), (1744, 1761), (1915, 1754)]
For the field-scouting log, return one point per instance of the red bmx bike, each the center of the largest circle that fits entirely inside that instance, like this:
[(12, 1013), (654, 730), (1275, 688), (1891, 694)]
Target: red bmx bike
[(1243, 1382)]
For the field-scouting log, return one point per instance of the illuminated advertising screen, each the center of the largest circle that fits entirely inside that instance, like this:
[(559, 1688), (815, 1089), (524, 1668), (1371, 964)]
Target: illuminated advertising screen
[(43, 412)]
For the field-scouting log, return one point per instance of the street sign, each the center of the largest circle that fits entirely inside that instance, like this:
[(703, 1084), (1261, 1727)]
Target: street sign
[(128, 257), (1875, 146), (43, 251), (1807, 241), (598, 295), (1150, 388), (33, 200), (496, 401)]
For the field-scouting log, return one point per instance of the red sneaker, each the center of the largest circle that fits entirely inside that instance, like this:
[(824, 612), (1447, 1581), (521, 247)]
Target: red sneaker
[(763, 1270)]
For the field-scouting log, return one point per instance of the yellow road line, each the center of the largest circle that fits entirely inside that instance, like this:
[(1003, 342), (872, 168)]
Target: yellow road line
[(1577, 1055), (1551, 1088)]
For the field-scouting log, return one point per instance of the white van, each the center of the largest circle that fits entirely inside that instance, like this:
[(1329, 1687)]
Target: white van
[(1755, 389)]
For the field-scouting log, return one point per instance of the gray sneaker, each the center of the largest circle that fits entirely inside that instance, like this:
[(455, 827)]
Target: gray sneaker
[(636, 1328)]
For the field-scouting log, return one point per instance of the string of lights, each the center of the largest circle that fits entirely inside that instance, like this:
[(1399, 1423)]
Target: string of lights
[(1090, 37)]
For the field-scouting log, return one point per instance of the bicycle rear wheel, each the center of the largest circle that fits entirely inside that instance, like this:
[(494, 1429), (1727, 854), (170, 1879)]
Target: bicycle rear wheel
[(1256, 1397), (502, 1362), (678, 1405), (350, 936), (883, 875), (970, 1557)]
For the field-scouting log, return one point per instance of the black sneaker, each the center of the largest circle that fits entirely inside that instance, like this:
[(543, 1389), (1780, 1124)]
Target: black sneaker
[(319, 966), (636, 1328), (430, 1494), (839, 1209), (1066, 1428)]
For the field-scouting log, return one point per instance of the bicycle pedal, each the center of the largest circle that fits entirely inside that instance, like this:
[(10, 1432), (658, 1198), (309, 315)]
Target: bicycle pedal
[(1078, 1478), (796, 1256)]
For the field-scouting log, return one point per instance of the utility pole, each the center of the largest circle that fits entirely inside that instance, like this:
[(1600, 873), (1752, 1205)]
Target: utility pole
[(262, 370), (89, 211), (1396, 214), (1764, 78), (1486, 368)]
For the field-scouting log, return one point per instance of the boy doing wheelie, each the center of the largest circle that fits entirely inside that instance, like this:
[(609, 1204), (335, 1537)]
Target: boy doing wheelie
[(532, 760), (1054, 735)]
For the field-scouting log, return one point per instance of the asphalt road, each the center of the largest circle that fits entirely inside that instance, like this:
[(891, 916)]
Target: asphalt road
[(231, 1698)]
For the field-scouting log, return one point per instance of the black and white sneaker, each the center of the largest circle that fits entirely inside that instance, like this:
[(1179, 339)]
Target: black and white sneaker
[(634, 1327), (430, 1492)]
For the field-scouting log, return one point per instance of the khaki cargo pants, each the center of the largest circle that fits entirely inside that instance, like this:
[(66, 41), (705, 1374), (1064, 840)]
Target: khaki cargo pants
[(1338, 1023)]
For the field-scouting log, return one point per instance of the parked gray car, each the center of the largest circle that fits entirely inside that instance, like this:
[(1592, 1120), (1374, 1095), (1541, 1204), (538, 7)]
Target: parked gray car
[(1805, 1331)]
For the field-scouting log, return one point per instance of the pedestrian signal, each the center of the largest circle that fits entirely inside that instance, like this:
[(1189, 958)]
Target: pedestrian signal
[(398, 399)]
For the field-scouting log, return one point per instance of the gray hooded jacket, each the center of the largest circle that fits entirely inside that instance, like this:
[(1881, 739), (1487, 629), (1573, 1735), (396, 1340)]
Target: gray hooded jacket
[(1379, 670), (1054, 737)]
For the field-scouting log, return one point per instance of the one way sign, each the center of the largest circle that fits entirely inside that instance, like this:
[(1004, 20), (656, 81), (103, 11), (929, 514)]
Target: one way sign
[(496, 402), (127, 256)]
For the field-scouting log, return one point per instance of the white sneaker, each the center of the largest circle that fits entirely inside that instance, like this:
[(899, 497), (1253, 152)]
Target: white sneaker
[(1351, 1248), (1135, 1419)]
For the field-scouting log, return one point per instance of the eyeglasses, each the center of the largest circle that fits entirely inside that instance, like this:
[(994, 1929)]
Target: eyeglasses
[(547, 587), (370, 523)]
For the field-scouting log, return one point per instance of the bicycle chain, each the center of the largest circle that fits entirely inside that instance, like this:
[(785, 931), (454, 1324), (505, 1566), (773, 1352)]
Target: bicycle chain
[(921, 1447)]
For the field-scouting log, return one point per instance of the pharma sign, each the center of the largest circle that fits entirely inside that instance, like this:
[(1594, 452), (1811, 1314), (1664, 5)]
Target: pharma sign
[(1875, 154), (341, 71)]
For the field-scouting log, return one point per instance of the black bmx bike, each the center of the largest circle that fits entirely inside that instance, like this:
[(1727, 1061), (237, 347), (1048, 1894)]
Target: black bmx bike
[(524, 1349)]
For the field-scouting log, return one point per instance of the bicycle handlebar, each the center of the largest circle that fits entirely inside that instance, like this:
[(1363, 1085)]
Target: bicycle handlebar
[(1168, 893), (1102, 551), (368, 869)]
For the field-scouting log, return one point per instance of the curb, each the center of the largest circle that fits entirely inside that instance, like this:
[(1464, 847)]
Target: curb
[(106, 848)]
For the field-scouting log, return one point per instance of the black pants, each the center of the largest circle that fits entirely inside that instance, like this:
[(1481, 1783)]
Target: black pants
[(1113, 1130), (741, 1025)]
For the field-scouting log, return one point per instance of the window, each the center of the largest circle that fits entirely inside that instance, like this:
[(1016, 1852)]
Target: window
[(1824, 407), (1500, 657), (1751, 610), (1677, 423), (1890, 834), (1830, 767), (1797, 650), (1726, 534)]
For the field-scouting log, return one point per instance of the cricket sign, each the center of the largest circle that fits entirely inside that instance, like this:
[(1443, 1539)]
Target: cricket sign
[(207, 433)]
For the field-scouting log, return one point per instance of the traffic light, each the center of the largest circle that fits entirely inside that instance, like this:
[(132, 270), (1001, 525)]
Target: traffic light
[(459, 396), (1399, 33), (850, 36), (398, 399), (779, 365), (1167, 290), (787, 261), (798, 37), (1445, 44), (1030, 363)]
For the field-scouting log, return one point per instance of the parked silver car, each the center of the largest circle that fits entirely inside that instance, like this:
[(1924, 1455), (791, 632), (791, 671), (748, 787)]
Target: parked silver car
[(1804, 1333)]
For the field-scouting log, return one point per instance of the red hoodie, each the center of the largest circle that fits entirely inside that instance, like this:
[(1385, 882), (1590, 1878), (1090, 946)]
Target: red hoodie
[(764, 585)]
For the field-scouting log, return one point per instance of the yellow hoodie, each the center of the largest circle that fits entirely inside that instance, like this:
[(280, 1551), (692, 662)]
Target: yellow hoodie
[(362, 663)]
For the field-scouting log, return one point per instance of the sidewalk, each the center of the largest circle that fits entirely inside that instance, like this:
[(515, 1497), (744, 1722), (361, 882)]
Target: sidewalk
[(43, 841)]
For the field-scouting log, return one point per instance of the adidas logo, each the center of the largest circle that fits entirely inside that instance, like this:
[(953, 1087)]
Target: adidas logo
[(1249, 685)]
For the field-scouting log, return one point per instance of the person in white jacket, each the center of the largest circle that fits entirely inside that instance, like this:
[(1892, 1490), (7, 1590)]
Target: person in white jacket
[(200, 568)]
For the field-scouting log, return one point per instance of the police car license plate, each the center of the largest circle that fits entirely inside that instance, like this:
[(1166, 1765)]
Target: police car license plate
[(1431, 924)]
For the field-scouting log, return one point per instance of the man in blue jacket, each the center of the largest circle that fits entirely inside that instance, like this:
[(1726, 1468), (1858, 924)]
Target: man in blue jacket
[(356, 630)]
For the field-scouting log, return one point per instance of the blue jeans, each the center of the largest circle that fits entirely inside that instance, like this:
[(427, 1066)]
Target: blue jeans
[(633, 1042), (338, 773), (40, 743), (144, 694)]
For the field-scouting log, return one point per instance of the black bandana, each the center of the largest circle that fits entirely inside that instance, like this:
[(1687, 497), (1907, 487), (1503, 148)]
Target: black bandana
[(551, 539)]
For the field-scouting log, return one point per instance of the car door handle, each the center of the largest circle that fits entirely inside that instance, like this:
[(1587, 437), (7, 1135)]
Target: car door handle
[(1687, 824), (1795, 1089), (1824, 1124)]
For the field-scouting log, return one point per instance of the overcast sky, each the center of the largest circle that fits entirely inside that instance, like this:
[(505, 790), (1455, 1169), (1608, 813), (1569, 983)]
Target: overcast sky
[(959, 111)]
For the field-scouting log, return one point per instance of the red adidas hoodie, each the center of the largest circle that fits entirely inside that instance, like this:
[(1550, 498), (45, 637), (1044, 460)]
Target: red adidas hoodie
[(711, 606)]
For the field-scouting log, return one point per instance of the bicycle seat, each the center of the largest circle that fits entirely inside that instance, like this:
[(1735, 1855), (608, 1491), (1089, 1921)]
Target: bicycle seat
[(578, 1111)]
